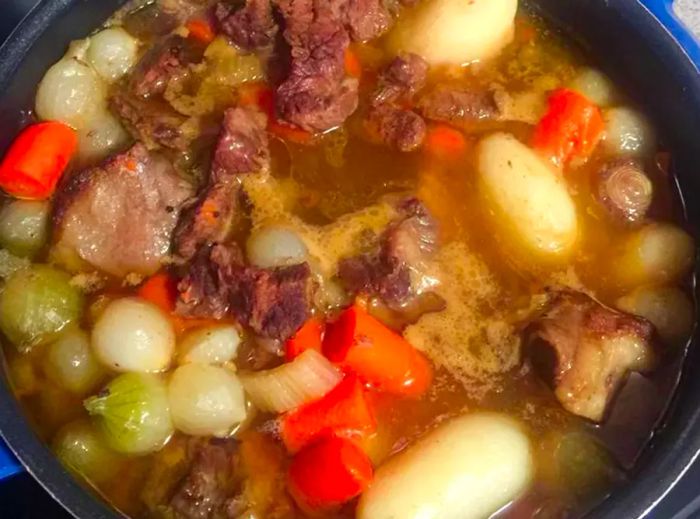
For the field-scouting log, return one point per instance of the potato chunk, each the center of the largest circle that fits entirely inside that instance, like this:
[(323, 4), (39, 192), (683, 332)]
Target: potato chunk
[(455, 32), (468, 468), (527, 198)]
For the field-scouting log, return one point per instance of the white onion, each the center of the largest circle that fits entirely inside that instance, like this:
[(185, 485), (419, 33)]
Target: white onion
[(595, 85), (24, 226), (275, 246), (70, 362), (627, 132), (308, 377), (206, 400), (112, 53), (102, 135), (70, 92), (657, 253), (133, 335), (210, 345), (669, 309)]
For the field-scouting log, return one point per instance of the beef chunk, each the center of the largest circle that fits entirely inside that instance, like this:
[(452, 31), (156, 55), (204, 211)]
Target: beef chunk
[(365, 19), (160, 64), (272, 302), (316, 95), (401, 129), (401, 79), (624, 190), (211, 481), (585, 350), (242, 146), (395, 272), (249, 27), (153, 122), (459, 107), (118, 217)]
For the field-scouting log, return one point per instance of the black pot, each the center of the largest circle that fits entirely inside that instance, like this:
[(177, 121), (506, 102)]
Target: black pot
[(629, 42)]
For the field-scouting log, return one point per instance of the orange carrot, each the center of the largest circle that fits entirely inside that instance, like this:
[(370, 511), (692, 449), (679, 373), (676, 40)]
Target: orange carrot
[(37, 159), (358, 342), (353, 67), (308, 337), (445, 142), (572, 127), (343, 411), (201, 30), (328, 473)]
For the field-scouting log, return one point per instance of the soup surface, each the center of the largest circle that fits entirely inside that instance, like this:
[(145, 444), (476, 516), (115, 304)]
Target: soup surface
[(372, 259)]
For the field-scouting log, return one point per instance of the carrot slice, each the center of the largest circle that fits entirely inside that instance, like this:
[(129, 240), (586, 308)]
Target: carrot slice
[(353, 67), (329, 473), (382, 358), (308, 337), (343, 411), (201, 30), (445, 142), (37, 159), (572, 127)]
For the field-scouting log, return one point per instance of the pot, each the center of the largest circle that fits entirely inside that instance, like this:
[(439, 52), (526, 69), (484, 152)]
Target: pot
[(640, 44)]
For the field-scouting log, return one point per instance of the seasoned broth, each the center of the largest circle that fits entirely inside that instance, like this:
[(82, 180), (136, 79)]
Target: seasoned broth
[(263, 301)]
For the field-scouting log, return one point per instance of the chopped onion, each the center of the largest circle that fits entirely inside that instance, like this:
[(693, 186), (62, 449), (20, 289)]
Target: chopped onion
[(306, 378), (210, 345)]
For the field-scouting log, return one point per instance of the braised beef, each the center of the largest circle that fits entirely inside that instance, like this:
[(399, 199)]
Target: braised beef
[(624, 190), (394, 273), (401, 79), (365, 19), (316, 95), (210, 483), (161, 63), (401, 129), (242, 146), (585, 351), (154, 122), (272, 302), (119, 217), (181, 10), (249, 27), (459, 107)]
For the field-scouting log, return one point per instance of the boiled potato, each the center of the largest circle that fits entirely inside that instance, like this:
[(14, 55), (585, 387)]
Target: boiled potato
[(112, 53), (669, 309), (455, 32), (70, 92), (468, 468), (655, 254), (527, 198)]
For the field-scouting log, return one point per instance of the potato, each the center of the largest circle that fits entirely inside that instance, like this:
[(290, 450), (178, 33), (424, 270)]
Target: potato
[(455, 32), (669, 309), (468, 468), (627, 133), (70, 92), (655, 254), (527, 197), (112, 53)]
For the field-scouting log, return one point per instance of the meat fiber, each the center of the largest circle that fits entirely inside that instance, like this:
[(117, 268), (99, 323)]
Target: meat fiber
[(401, 129), (250, 27), (400, 80), (459, 107), (585, 351), (119, 217)]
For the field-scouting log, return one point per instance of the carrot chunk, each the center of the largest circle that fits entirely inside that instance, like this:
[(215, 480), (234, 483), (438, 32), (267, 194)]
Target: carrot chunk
[(36, 160), (445, 142), (329, 473), (201, 30), (572, 127), (161, 290), (343, 411), (308, 337), (382, 358), (353, 67)]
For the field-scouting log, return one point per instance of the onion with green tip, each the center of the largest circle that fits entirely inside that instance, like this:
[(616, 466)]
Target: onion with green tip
[(133, 413)]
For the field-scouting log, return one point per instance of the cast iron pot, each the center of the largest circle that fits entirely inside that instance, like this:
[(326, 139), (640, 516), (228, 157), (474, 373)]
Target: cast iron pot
[(642, 46)]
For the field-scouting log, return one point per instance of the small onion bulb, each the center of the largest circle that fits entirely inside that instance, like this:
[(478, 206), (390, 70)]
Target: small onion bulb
[(133, 335), (71, 364), (275, 246), (112, 53), (210, 345), (625, 191), (595, 85), (627, 132), (206, 400), (101, 136)]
